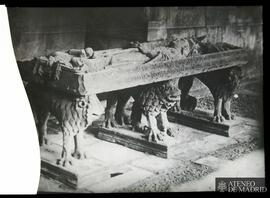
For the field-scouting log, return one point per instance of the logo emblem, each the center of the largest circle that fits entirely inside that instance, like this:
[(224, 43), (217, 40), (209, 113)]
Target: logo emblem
[(222, 186)]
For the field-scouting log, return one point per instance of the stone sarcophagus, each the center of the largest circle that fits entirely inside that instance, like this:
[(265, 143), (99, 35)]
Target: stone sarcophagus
[(109, 71), (147, 70)]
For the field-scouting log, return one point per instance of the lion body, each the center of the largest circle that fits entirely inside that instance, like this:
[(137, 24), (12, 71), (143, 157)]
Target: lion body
[(221, 83), (73, 113)]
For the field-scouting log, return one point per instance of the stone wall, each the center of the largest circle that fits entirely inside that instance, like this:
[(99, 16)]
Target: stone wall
[(38, 31), (115, 27)]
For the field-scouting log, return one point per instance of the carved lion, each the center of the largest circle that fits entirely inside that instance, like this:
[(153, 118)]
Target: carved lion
[(221, 83), (73, 113)]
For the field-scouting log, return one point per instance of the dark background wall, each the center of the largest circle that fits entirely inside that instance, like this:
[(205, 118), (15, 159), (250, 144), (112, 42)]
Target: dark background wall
[(39, 31)]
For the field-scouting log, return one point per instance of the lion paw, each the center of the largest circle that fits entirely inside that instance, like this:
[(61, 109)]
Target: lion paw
[(155, 136), (170, 133), (176, 108), (110, 124), (218, 118), (65, 162), (79, 155), (229, 117)]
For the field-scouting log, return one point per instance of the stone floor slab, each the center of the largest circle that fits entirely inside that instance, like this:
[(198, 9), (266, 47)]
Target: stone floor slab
[(211, 161), (112, 154), (154, 164), (121, 181)]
